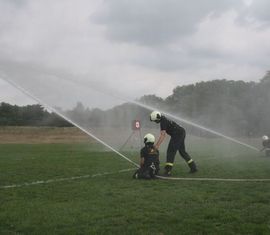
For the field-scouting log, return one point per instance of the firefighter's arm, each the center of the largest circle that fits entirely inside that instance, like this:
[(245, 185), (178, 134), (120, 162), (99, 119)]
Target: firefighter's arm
[(160, 139)]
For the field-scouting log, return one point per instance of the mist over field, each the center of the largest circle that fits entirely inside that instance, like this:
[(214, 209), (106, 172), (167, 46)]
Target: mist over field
[(237, 108), (234, 108)]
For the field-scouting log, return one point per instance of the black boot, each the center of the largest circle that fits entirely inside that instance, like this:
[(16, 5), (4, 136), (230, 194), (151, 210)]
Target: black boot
[(167, 170), (192, 166)]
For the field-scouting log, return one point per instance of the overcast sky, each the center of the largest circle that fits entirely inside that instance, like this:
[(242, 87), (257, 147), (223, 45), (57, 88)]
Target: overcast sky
[(135, 47)]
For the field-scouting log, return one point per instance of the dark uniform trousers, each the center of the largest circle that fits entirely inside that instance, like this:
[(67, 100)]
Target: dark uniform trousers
[(177, 143)]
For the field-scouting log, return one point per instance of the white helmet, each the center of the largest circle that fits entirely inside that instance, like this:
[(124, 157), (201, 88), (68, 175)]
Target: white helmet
[(155, 116), (265, 137), (149, 139)]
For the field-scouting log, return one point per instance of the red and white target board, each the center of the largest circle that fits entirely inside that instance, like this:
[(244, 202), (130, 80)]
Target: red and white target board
[(136, 125)]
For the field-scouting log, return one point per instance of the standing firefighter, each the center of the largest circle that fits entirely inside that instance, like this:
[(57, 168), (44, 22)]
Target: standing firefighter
[(149, 159), (266, 145), (177, 141)]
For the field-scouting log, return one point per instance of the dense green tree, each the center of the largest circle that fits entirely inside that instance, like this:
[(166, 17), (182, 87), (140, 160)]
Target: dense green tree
[(30, 115)]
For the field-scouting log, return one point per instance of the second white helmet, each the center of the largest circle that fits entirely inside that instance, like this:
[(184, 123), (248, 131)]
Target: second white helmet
[(149, 139), (265, 137), (155, 116)]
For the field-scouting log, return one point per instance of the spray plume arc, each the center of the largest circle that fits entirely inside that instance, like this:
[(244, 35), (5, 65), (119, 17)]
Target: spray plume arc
[(199, 126), (66, 118), (115, 95), (166, 113)]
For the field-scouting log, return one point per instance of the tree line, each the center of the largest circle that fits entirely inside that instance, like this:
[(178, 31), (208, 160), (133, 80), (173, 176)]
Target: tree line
[(232, 107), (30, 115)]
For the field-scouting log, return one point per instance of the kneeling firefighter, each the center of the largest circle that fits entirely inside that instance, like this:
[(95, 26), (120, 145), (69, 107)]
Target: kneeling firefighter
[(149, 164)]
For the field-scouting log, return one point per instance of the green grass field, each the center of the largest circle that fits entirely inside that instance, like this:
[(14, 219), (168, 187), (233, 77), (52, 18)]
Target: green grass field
[(114, 203)]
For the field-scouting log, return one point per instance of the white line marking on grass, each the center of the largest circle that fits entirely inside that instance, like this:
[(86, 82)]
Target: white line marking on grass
[(213, 179), (126, 170), (64, 179)]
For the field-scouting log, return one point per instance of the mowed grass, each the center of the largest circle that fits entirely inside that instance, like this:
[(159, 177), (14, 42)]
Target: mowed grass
[(116, 204)]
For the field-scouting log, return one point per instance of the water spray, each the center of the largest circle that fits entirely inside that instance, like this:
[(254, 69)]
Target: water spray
[(199, 126), (95, 87), (148, 107), (48, 107)]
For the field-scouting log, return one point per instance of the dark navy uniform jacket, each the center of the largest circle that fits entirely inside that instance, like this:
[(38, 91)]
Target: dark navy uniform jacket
[(171, 128), (150, 155)]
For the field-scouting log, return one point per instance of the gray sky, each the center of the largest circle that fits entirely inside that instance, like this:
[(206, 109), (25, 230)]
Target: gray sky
[(134, 47)]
